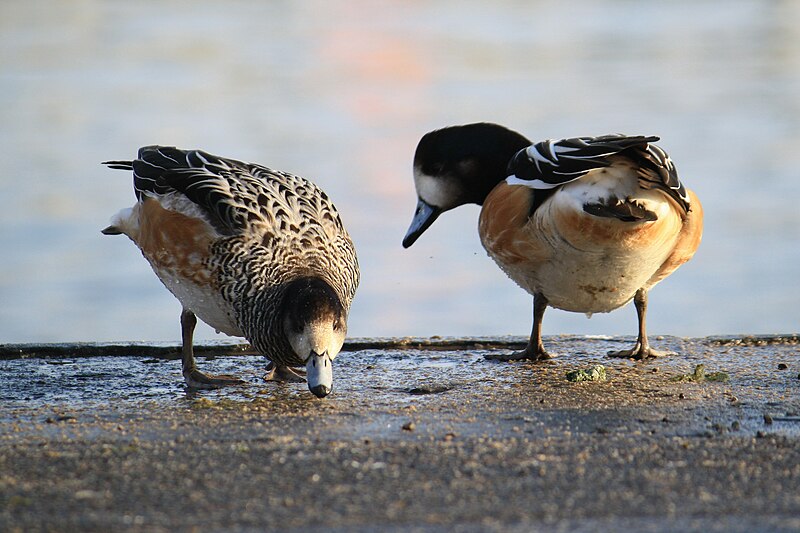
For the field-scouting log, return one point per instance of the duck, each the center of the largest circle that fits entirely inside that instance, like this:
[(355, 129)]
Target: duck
[(251, 251), (583, 224)]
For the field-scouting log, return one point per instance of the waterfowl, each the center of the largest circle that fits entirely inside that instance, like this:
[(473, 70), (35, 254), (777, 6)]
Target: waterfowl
[(584, 224), (251, 251)]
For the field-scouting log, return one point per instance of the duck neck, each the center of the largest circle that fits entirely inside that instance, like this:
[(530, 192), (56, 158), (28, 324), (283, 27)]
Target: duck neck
[(262, 325), (491, 160)]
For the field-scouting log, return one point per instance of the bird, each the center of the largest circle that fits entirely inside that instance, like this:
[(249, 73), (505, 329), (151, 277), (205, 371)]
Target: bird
[(253, 252), (583, 224)]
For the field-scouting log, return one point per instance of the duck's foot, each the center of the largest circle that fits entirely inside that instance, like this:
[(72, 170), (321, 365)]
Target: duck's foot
[(534, 350), (537, 354), (284, 373), (639, 352), (198, 380)]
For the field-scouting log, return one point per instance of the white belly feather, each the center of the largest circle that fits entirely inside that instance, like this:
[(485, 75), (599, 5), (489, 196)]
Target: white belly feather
[(202, 299), (596, 264), (208, 305)]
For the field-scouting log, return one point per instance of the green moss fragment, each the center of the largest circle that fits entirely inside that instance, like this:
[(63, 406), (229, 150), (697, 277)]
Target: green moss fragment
[(699, 376), (18, 501), (593, 373)]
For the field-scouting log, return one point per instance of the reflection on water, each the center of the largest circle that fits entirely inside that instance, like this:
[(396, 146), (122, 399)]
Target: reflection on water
[(340, 93)]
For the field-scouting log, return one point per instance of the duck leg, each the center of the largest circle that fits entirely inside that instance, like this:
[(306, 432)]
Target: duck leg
[(277, 372), (193, 377), (641, 350), (534, 351)]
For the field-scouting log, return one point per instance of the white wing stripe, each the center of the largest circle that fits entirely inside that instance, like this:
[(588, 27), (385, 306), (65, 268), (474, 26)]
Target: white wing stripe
[(536, 157), (534, 184)]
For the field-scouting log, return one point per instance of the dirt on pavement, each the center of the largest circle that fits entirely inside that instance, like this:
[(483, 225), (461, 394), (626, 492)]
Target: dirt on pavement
[(418, 435)]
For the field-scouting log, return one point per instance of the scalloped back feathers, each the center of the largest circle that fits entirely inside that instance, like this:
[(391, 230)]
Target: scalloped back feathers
[(255, 229)]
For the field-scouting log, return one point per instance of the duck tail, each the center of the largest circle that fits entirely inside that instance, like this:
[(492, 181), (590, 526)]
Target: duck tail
[(119, 165), (111, 230)]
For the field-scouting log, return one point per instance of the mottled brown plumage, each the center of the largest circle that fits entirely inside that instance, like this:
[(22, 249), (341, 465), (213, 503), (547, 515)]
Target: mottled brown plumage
[(234, 243)]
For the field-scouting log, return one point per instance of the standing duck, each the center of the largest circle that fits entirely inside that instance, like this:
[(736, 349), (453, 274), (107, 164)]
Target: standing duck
[(253, 252), (583, 224)]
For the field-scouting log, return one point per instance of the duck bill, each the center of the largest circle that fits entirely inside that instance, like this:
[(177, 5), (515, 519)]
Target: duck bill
[(423, 218), (319, 373)]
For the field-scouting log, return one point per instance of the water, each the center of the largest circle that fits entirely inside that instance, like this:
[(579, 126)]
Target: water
[(340, 92)]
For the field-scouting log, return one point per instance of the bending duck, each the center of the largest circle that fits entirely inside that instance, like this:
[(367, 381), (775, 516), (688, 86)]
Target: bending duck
[(583, 224), (253, 252)]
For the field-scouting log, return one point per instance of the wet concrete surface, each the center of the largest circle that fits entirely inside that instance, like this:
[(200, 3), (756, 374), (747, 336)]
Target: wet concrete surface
[(418, 435)]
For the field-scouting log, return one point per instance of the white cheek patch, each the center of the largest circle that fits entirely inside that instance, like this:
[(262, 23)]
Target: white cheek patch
[(435, 191), (317, 338), (331, 343)]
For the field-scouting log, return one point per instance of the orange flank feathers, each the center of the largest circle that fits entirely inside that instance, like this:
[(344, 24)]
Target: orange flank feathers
[(174, 242), (504, 229), (688, 241)]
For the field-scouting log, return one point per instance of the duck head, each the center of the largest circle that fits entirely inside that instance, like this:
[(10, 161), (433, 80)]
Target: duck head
[(315, 324), (459, 165)]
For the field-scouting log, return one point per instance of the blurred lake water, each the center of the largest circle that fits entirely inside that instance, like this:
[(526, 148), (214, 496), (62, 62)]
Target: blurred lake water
[(340, 92)]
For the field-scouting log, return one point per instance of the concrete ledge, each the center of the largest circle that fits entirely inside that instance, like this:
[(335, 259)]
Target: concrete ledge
[(172, 351)]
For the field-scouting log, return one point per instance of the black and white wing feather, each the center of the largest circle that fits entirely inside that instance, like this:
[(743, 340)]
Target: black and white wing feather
[(550, 164), (231, 195)]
